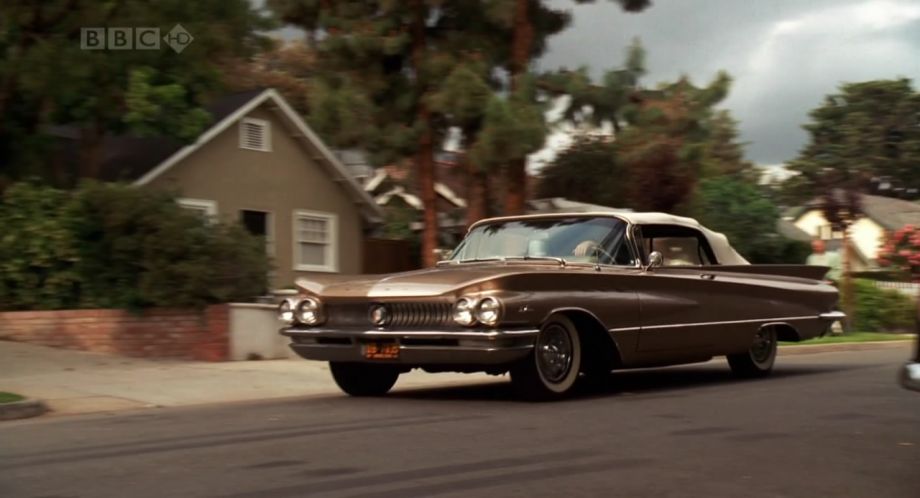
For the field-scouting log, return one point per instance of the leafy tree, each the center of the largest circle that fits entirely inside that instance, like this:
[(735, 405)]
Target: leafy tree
[(463, 98), (592, 105), (867, 131), (587, 171), (392, 77), (532, 22), (378, 65), (723, 154), (665, 141), (666, 138), (748, 218), (286, 67), (47, 79), (109, 245)]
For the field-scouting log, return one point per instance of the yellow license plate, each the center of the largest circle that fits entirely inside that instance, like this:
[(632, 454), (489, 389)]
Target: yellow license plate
[(381, 351)]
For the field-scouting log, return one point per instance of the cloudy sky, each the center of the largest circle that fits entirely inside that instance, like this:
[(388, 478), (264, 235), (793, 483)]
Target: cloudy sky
[(784, 55)]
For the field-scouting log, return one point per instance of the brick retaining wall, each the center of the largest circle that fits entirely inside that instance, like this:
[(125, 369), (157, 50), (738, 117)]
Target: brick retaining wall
[(158, 333)]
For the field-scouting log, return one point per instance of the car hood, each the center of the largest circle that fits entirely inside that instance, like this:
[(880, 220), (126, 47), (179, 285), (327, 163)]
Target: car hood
[(418, 283)]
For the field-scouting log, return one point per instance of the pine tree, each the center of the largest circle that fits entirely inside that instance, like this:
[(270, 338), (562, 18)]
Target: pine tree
[(532, 23)]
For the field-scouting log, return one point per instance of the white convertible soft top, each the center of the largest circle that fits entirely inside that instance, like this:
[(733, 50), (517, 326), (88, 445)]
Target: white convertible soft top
[(717, 241)]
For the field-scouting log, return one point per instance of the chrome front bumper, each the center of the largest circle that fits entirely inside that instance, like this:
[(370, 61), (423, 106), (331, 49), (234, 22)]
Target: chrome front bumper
[(910, 376), (416, 347)]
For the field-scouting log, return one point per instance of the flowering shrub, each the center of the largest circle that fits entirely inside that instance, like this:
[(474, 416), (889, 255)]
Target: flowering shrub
[(901, 251)]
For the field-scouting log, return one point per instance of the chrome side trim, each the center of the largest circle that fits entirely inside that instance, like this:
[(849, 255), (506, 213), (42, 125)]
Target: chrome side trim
[(833, 315), (426, 334), (624, 329), (724, 322)]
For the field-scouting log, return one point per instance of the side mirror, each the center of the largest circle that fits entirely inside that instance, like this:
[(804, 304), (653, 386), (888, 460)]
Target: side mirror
[(655, 259)]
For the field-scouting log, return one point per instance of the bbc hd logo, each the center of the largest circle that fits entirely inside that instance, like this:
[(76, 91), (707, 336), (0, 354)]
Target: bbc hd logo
[(134, 38)]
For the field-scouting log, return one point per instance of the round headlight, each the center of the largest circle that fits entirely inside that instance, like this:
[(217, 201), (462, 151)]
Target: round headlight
[(286, 311), (488, 311), (463, 312), (379, 315), (308, 312)]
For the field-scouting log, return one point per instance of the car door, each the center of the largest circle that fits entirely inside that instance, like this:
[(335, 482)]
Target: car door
[(682, 303)]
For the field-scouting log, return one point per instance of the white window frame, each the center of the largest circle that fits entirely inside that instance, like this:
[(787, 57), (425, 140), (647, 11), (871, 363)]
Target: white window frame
[(267, 134), (209, 207), (331, 253)]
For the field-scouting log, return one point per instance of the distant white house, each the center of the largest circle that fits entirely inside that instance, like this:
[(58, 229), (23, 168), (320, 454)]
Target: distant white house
[(882, 214)]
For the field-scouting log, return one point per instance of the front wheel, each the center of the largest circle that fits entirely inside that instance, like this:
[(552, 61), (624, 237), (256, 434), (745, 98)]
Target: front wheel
[(551, 370), (363, 379), (757, 361)]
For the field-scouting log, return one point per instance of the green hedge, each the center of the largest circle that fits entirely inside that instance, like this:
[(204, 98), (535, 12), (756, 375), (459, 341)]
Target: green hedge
[(114, 246), (882, 310)]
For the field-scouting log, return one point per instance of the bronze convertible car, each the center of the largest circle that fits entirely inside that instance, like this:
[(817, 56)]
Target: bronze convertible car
[(551, 297)]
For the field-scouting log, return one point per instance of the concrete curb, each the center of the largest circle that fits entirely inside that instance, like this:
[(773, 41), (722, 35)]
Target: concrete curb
[(22, 409), (843, 346)]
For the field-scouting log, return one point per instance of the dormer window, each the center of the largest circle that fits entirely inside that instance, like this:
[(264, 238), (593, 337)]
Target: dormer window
[(255, 134)]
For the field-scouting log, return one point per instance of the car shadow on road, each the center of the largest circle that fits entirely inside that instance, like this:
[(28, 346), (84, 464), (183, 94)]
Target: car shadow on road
[(640, 383)]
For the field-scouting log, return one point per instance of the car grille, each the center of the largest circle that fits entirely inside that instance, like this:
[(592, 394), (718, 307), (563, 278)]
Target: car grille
[(405, 315)]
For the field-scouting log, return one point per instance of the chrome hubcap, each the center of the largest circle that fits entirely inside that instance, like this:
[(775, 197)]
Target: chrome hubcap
[(554, 353), (762, 348)]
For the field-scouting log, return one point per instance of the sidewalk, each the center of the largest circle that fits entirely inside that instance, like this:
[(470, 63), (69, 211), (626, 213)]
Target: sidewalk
[(80, 382)]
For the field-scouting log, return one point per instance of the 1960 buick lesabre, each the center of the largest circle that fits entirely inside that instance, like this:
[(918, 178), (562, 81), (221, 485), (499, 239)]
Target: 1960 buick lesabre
[(551, 297)]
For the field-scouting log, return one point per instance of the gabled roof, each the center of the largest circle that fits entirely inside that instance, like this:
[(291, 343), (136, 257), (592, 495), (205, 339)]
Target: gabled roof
[(141, 159), (788, 229), (891, 213), (390, 181), (888, 212), (231, 109)]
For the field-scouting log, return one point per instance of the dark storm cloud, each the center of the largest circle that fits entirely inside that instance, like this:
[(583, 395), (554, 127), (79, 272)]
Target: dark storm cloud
[(784, 55)]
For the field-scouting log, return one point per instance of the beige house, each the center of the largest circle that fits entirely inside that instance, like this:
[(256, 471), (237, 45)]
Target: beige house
[(261, 165), (882, 214)]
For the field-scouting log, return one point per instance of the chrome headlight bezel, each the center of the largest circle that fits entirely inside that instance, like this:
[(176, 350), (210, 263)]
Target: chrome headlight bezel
[(464, 312), (489, 311), (286, 310), (309, 311)]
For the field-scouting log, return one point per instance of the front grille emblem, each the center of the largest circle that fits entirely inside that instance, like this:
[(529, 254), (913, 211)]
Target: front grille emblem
[(378, 315)]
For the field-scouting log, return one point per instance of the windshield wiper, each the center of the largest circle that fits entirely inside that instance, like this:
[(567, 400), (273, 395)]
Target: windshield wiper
[(470, 260), (561, 261)]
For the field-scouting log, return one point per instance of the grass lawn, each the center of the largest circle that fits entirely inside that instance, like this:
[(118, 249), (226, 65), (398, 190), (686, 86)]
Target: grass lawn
[(853, 337), (9, 397)]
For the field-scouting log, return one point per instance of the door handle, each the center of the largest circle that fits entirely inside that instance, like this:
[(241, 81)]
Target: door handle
[(708, 276)]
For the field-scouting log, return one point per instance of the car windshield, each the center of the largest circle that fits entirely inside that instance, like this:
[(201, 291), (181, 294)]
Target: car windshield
[(575, 239)]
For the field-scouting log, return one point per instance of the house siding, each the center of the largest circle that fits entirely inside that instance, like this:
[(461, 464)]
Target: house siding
[(866, 234), (281, 181)]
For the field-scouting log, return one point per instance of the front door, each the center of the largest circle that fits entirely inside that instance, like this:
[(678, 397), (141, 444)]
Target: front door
[(259, 224), (680, 300)]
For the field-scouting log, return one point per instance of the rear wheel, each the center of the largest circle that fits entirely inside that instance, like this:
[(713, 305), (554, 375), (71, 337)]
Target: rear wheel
[(757, 361), (364, 379), (551, 370)]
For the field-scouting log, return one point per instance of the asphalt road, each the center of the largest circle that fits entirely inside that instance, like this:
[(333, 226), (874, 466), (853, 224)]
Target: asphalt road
[(830, 424)]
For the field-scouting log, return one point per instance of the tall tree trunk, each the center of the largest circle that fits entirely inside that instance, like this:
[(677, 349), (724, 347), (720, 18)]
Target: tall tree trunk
[(424, 156), (476, 191), (521, 47)]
